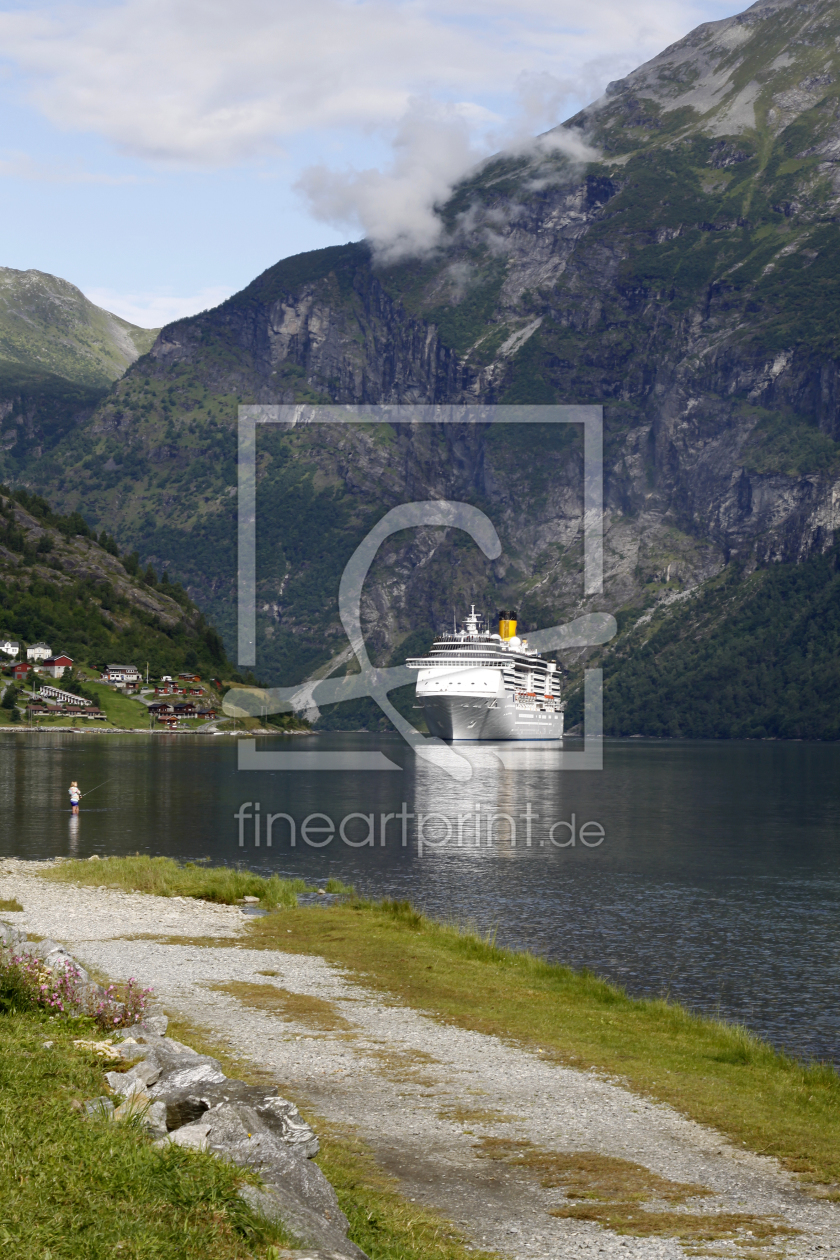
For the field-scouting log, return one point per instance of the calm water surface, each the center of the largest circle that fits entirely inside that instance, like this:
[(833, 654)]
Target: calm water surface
[(717, 881)]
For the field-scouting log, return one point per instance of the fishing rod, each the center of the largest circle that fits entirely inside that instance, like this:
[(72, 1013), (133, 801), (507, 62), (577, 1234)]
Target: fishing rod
[(96, 789)]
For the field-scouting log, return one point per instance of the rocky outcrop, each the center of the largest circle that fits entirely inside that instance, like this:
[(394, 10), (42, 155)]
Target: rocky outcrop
[(184, 1098), (684, 281)]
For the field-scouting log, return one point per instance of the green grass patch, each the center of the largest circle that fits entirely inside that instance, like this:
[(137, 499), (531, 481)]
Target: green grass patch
[(716, 1073), (166, 878), (339, 887), (119, 709), (10, 903), (73, 1187)]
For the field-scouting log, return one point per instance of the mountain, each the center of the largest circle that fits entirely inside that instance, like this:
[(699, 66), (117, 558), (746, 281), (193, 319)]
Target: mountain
[(48, 325), (59, 354), (686, 279), (62, 584)]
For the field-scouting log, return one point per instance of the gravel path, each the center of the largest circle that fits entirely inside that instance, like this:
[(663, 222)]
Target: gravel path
[(397, 1077)]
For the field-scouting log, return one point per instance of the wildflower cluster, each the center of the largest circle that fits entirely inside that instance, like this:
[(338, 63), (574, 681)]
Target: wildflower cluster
[(26, 983), (121, 1005)]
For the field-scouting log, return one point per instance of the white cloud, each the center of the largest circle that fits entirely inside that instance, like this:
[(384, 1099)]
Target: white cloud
[(206, 84), (153, 310), (433, 148), (23, 166), (211, 82)]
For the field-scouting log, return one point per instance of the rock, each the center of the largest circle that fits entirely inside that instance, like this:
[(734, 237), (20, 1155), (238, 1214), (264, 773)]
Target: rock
[(147, 1070), (99, 1108), (47, 1045), (276, 1203), (125, 1084), (282, 1117), (192, 1136), (240, 1135), (286, 1122), (251, 901), (183, 1078), (134, 1106), (154, 1121), (10, 936)]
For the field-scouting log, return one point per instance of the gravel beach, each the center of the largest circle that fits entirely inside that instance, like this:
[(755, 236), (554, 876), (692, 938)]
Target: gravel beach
[(421, 1093)]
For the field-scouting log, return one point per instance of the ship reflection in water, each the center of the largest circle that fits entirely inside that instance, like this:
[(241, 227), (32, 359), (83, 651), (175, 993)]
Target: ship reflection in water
[(704, 845)]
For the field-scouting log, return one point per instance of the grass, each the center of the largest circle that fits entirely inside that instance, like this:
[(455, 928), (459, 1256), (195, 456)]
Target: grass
[(716, 1073), (167, 878), (382, 1222), (10, 903), (71, 1187), (299, 1008), (339, 887), (614, 1193), (119, 709)]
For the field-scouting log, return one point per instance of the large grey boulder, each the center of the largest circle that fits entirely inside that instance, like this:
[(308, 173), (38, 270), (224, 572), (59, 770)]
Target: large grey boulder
[(187, 1076), (237, 1133), (186, 1104), (10, 936), (275, 1203)]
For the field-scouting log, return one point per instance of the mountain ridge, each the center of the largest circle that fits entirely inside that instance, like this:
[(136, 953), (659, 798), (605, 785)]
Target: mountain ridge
[(686, 281)]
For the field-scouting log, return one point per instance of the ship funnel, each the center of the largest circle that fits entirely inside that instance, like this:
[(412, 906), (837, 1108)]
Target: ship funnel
[(507, 624)]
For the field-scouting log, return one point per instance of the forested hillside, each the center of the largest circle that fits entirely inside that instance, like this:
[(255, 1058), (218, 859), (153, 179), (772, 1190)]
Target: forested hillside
[(685, 279), (61, 583)]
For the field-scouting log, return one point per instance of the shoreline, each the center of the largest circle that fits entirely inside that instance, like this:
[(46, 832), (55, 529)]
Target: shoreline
[(135, 730), (436, 1095)]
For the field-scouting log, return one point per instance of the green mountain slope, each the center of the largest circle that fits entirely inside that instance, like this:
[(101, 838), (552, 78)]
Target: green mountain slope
[(745, 657), (686, 280), (61, 584), (48, 325)]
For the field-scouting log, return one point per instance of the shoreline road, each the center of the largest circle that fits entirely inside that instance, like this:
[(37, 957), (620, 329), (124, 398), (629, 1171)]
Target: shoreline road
[(431, 1100)]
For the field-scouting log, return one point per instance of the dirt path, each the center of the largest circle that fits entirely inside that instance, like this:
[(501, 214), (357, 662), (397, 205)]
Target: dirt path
[(426, 1096)]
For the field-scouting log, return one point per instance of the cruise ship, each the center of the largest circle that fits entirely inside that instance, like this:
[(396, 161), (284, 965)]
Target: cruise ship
[(478, 685)]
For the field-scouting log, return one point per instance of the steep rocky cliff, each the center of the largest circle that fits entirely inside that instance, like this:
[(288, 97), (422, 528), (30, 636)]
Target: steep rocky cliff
[(686, 280)]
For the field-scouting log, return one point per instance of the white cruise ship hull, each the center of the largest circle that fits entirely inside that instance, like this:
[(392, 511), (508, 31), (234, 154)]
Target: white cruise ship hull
[(473, 704), (472, 685), (455, 718)]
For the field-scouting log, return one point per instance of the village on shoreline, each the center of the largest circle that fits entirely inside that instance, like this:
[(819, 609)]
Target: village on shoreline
[(46, 690)]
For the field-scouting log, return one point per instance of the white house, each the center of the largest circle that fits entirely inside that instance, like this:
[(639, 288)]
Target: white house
[(122, 674), (38, 652), (56, 665), (10, 646)]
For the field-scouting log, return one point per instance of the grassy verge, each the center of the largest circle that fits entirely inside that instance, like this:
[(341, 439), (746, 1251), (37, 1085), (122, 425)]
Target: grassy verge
[(72, 1187), (382, 1222), (119, 709), (166, 878), (718, 1074)]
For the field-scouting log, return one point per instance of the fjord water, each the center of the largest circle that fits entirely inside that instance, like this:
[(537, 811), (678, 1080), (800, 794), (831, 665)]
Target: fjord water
[(716, 883)]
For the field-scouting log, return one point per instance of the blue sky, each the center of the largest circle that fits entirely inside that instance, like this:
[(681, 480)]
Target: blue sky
[(161, 153)]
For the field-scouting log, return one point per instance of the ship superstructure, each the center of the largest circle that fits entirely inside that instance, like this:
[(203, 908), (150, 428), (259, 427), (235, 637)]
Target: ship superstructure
[(474, 684)]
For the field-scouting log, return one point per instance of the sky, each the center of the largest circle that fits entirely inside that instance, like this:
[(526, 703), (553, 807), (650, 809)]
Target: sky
[(160, 154)]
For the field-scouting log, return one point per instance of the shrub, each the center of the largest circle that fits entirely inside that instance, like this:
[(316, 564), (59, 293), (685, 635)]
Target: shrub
[(26, 984)]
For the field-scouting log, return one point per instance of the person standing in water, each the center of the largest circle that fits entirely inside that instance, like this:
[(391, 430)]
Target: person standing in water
[(75, 797)]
